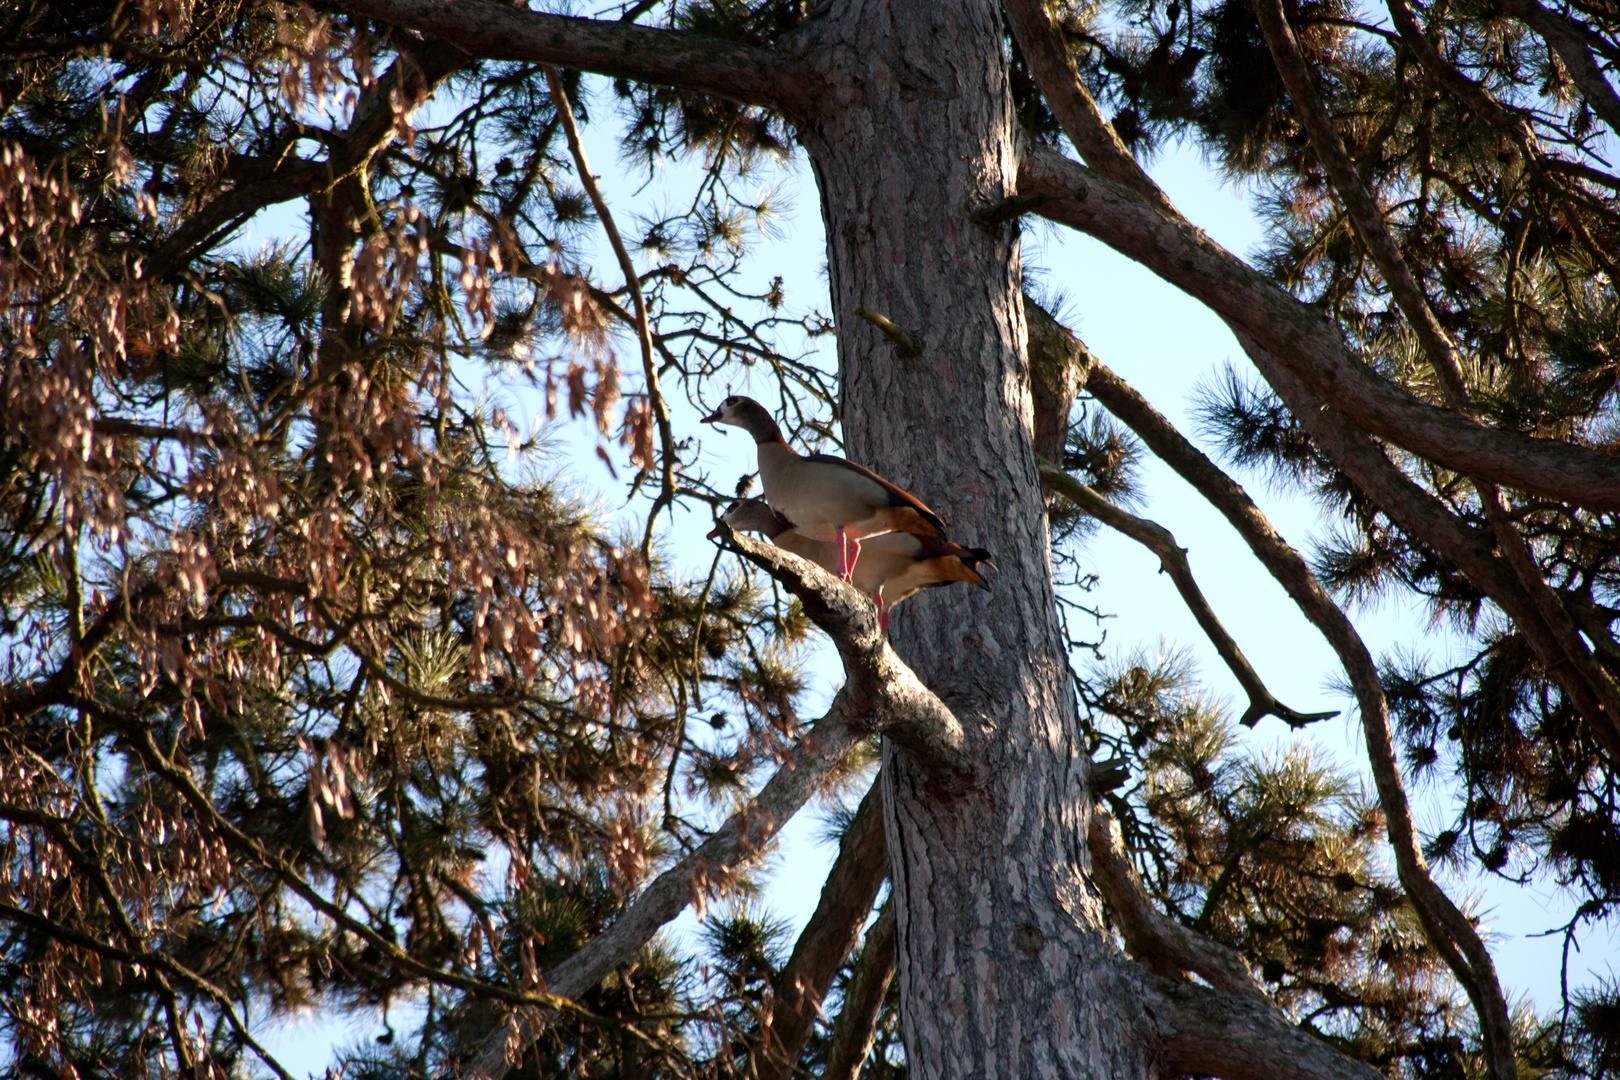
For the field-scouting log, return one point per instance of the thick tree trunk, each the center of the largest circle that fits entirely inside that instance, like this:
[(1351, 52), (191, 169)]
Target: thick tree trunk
[(1004, 967)]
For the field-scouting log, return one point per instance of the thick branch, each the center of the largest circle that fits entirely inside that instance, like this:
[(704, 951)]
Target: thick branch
[(846, 901), (853, 1031), (1208, 1033), (676, 58), (881, 689), (740, 839), (1052, 65), (1301, 343), (1453, 936), (1151, 936), (1566, 40), (1173, 561)]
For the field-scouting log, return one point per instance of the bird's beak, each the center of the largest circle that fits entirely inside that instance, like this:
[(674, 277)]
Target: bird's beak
[(712, 418), (714, 533)]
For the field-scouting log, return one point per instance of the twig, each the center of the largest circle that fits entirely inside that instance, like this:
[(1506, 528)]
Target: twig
[(632, 282), (1173, 560), (903, 346)]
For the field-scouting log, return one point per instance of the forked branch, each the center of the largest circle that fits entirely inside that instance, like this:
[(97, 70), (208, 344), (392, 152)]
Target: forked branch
[(879, 685), (1173, 561), (1303, 344)]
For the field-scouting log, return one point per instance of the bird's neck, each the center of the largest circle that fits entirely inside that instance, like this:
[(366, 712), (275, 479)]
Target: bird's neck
[(764, 430)]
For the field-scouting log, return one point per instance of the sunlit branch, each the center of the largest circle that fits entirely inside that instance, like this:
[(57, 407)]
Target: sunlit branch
[(1302, 343), (1236, 1037), (1361, 207), (655, 392), (846, 901), (853, 1030), (890, 697), (1173, 561)]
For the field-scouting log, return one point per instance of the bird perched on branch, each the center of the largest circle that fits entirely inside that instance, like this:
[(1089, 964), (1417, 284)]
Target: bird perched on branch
[(895, 565), (826, 497)]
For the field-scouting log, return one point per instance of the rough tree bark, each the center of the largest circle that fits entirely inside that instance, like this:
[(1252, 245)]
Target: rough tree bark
[(1004, 966)]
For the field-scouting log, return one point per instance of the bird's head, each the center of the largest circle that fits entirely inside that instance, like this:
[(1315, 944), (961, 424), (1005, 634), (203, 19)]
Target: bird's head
[(748, 414)]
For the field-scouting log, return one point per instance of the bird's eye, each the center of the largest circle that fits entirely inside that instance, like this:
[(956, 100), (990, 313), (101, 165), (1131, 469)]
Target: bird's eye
[(731, 401)]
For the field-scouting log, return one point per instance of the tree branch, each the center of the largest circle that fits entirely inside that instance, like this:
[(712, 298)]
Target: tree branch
[(632, 282), (1173, 561), (846, 900), (740, 839), (415, 73), (1566, 40), (1452, 935), (1094, 138), (1207, 1033), (708, 65), (1150, 935), (1423, 516), (863, 1001), (881, 687), (1299, 342), (1362, 209)]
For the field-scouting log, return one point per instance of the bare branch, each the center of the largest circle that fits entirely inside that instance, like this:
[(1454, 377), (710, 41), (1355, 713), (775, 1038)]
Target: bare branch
[(1173, 561), (632, 282), (881, 687), (846, 900), (1299, 342), (863, 1001), (708, 65), (739, 840), (1151, 936)]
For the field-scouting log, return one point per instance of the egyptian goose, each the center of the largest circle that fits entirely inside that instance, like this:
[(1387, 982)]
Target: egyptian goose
[(896, 564), (825, 497)]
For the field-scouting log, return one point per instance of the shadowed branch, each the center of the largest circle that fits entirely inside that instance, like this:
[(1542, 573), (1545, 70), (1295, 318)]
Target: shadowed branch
[(1173, 561)]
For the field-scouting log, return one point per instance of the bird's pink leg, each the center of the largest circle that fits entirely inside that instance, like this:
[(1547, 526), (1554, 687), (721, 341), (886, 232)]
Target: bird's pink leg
[(854, 553), (882, 612), (843, 553)]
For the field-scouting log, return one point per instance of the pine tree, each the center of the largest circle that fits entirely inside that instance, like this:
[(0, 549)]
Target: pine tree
[(324, 692)]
